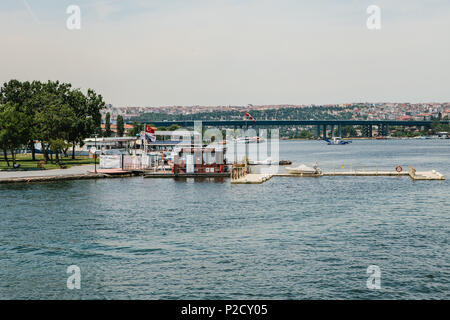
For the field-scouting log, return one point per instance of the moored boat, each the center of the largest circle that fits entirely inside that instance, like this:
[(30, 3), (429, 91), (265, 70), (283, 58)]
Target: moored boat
[(305, 170), (337, 141)]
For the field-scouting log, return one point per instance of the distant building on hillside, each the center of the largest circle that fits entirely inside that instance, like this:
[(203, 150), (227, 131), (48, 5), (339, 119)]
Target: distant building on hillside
[(127, 128)]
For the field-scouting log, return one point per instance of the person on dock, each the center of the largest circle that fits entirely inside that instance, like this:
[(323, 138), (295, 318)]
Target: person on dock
[(316, 168)]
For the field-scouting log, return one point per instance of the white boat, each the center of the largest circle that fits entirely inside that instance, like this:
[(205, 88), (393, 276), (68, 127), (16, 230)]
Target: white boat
[(337, 141), (303, 169), (249, 140), (268, 161)]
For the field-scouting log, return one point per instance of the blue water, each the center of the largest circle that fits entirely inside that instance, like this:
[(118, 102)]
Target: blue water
[(289, 238)]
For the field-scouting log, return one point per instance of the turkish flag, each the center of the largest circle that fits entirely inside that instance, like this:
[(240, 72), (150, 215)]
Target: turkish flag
[(149, 129)]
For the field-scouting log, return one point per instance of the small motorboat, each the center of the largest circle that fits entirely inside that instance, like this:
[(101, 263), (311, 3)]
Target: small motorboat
[(305, 170), (268, 161), (336, 141)]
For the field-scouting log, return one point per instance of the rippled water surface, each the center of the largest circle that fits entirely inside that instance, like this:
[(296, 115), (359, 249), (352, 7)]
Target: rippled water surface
[(289, 238)]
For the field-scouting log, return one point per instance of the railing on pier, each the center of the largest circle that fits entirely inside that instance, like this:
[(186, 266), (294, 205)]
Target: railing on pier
[(362, 169), (131, 163), (238, 171)]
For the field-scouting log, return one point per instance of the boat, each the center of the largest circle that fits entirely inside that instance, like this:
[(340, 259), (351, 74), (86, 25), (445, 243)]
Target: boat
[(305, 170), (249, 140), (268, 161), (336, 141)]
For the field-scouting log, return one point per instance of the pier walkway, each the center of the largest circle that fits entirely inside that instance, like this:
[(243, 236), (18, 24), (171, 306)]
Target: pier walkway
[(75, 172), (412, 173), (252, 178)]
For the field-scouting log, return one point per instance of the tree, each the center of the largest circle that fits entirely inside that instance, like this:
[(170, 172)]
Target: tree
[(54, 120), (173, 127), (82, 114), (349, 131), (120, 126), (22, 96), (95, 103), (137, 129), (14, 129), (51, 112), (304, 134), (436, 126), (107, 125)]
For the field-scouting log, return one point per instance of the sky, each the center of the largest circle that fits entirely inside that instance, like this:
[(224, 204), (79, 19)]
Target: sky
[(230, 52)]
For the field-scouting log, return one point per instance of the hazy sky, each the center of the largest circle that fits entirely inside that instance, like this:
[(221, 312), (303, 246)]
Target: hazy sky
[(211, 52)]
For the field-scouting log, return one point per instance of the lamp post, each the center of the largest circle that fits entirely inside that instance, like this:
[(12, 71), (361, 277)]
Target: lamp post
[(95, 153)]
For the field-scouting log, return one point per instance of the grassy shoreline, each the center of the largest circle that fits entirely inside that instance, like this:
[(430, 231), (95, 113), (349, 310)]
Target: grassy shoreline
[(26, 163)]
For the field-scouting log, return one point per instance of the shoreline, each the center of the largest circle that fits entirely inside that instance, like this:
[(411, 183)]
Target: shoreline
[(83, 172), (88, 176), (362, 138)]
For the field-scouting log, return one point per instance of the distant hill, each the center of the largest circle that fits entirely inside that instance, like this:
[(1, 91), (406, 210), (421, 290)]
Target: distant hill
[(311, 113)]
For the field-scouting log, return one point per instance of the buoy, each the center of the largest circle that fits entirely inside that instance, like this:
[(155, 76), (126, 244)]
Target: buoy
[(398, 169)]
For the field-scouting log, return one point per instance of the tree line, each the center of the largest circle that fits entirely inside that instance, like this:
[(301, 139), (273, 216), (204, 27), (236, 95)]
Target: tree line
[(53, 113)]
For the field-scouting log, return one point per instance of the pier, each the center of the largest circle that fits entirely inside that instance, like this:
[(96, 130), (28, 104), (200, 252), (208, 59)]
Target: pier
[(412, 173), (252, 178)]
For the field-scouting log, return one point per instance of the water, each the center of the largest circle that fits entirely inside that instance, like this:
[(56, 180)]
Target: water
[(288, 238)]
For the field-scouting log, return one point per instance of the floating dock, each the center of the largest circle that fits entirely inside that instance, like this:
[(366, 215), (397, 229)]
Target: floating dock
[(425, 175), (258, 178), (252, 178), (347, 173), (412, 173)]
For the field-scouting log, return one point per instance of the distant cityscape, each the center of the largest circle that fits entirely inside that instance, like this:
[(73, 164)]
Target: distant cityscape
[(353, 111)]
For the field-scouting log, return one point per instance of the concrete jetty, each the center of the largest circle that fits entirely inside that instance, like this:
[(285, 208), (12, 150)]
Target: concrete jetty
[(252, 178), (424, 175), (412, 173), (75, 173)]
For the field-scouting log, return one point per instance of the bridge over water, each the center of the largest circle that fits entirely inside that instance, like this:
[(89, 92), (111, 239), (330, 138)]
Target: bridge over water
[(322, 125)]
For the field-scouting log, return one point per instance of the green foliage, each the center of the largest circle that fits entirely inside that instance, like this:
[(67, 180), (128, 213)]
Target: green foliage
[(436, 127), (120, 126), (14, 128), (137, 129), (107, 132), (348, 131), (173, 127), (303, 134), (52, 112)]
